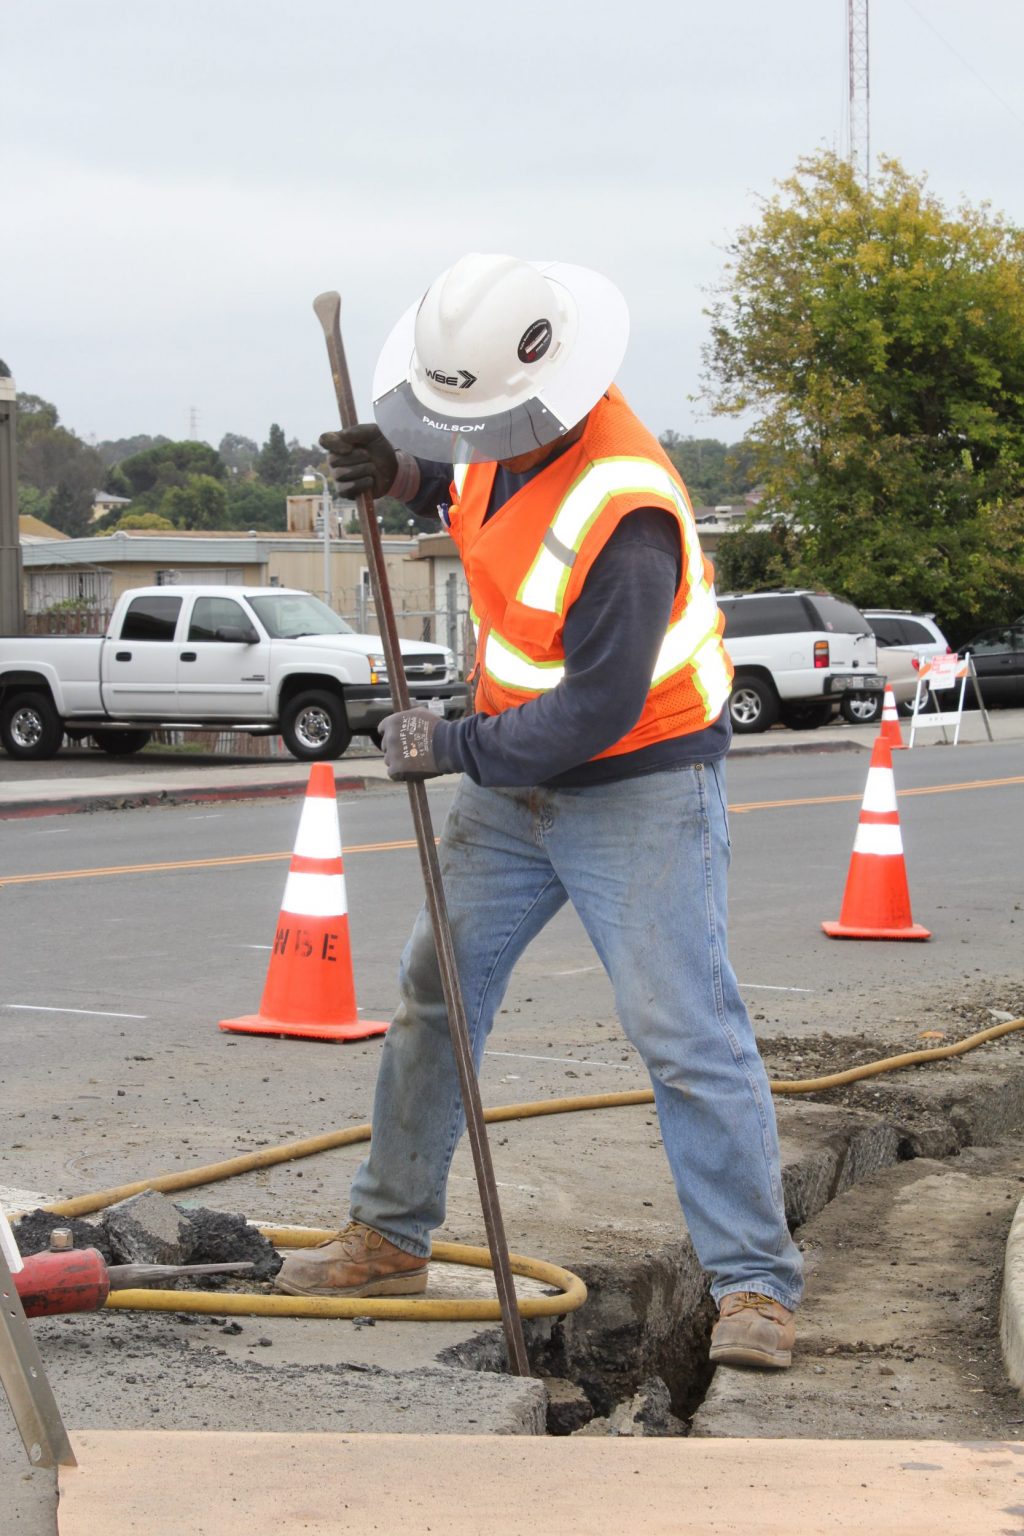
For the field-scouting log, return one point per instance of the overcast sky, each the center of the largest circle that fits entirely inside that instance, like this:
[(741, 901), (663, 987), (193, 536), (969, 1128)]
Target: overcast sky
[(180, 179)]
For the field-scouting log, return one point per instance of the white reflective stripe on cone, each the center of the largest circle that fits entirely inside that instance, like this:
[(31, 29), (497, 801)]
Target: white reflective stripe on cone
[(880, 791), (878, 837), (308, 895), (319, 834)]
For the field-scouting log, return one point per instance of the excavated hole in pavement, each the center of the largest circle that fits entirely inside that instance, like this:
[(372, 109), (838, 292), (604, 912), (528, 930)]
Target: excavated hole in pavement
[(636, 1354)]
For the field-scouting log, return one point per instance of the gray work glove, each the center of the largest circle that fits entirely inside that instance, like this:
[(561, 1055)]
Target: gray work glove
[(361, 459), (408, 741)]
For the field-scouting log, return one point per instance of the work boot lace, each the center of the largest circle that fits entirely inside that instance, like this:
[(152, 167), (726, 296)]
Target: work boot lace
[(741, 1301), (355, 1236)]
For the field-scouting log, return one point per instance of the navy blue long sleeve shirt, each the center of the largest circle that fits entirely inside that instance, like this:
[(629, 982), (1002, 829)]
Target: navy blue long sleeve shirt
[(613, 633)]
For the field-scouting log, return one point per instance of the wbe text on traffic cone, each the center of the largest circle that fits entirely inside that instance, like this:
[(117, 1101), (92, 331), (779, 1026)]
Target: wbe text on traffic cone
[(309, 990)]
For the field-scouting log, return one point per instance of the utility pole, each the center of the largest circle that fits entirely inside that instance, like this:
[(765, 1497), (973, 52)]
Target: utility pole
[(11, 616), (858, 62)]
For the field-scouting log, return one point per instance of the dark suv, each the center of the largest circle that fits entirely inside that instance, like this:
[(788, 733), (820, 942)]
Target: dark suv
[(797, 654)]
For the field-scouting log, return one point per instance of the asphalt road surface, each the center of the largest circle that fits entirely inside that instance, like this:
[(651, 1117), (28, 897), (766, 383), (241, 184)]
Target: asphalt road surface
[(127, 936)]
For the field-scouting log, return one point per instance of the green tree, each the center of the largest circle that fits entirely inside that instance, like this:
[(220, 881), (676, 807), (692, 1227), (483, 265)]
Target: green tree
[(200, 503), (879, 338), (715, 473), (274, 464), (251, 504), (167, 465), (150, 521), (238, 453), (55, 461), (113, 450), (753, 558)]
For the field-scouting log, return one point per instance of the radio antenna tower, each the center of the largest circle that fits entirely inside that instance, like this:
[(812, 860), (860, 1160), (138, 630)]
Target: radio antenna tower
[(859, 117), (193, 417)]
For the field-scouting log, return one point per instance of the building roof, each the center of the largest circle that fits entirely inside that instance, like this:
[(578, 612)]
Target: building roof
[(32, 530)]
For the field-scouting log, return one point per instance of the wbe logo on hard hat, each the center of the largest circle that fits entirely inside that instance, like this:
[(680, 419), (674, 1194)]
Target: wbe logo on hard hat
[(540, 342)]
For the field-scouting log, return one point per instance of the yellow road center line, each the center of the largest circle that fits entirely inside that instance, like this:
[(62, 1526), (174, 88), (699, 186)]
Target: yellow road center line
[(220, 863), (269, 858)]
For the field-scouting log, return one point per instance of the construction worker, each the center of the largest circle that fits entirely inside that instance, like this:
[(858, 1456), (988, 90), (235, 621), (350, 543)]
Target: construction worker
[(591, 771)]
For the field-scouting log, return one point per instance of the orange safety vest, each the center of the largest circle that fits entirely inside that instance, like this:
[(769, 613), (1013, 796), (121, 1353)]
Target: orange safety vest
[(526, 566)]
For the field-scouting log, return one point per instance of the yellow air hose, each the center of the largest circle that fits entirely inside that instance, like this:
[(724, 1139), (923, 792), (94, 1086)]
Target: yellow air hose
[(570, 1290)]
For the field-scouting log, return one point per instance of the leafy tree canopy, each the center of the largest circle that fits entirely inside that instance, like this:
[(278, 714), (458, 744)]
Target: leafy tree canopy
[(238, 453), (200, 502), (55, 461), (880, 339), (274, 464), (150, 521), (715, 473), (169, 464), (115, 449)]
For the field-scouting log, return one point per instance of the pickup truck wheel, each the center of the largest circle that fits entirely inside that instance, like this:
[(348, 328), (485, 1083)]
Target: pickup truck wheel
[(752, 706), (861, 708), (30, 726), (314, 726), (120, 743)]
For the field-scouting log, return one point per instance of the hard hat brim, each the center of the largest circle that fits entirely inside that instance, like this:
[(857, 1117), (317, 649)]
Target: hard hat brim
[(443, 428)]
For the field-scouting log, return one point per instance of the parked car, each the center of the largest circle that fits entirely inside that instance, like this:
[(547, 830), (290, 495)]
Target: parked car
[(905, 639), (898, 629), (998, 656), (797, 654), (900, 670)]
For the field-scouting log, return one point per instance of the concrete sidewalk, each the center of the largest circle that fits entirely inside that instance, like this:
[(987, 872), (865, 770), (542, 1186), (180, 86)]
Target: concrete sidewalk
[(82, 780)]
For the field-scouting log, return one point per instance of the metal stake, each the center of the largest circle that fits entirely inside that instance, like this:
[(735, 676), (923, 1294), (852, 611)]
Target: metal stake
[(328, 312)]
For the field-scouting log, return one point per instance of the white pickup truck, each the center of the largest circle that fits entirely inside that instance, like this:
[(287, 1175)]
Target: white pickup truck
[(261, 659)]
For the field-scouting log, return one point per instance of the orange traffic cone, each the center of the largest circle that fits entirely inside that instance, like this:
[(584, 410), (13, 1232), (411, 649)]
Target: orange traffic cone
[(890, 731), (876, 903), (309, 989)]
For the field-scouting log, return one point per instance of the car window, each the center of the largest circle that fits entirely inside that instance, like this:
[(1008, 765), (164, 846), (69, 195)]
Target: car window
[(889, 631), (210, 613), (990, 641), (289, 615), (151, 618), (839, 618), (763, 616), (916, 633)]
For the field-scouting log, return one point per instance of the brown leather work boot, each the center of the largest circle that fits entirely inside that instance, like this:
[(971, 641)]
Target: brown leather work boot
[(356, 1262), (753, 1330)]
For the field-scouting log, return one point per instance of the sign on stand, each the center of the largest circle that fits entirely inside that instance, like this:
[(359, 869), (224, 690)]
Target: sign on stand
[(938, 675), (21, 1370)]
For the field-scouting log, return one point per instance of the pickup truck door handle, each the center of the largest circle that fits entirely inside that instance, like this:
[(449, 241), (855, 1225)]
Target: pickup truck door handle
[(188, 656), (123, 656)]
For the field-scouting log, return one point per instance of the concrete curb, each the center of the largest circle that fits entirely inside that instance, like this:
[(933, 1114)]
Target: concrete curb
[(192, 795), (1011, 1309)]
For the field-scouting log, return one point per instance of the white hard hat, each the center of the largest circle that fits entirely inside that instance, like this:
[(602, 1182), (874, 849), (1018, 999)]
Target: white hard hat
[(500, 356)]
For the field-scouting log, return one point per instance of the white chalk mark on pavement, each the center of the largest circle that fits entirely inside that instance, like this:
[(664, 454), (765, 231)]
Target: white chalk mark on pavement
[(568, 1061), (756, 986), (92, 1013)]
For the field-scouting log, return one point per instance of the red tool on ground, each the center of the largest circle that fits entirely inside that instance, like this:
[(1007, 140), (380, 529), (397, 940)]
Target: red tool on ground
[(80, 1279)]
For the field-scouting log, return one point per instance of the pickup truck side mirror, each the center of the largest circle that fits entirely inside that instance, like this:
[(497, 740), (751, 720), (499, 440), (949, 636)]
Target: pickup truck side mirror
[(237, 634)]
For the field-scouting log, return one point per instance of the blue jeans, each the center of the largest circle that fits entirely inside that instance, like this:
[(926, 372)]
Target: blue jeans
[(644, 862)]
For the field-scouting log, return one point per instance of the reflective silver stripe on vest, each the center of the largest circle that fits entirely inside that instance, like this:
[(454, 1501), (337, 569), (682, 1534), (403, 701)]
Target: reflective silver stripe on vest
[(545, 582), (512, 669)]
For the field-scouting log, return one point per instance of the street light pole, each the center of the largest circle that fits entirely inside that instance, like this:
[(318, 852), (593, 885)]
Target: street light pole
[(309, 478)]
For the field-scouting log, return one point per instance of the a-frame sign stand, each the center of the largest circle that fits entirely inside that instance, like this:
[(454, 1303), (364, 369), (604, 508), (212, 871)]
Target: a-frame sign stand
[(24, 1379)]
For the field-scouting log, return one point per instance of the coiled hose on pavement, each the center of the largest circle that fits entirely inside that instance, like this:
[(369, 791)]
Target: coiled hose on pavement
[(571, 1291)]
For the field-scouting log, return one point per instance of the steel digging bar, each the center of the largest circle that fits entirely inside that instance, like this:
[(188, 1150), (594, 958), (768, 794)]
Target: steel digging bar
[(328, 312)]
